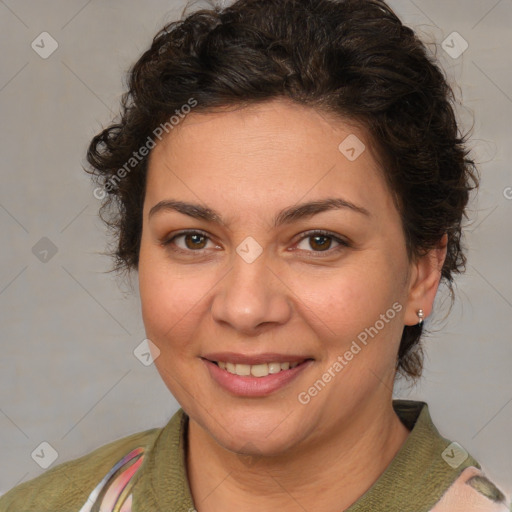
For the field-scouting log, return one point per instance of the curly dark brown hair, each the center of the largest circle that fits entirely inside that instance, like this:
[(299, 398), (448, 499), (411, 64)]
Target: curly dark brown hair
[(351, 58)]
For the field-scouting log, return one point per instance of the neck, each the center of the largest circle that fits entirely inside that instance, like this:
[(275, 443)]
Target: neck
[(324, 476)]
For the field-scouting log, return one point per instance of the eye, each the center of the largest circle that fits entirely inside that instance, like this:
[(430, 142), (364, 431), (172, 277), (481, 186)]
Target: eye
[(194, 241), (321, 241)]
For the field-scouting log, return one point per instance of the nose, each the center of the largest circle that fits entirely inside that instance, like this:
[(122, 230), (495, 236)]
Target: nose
[(251, 297)]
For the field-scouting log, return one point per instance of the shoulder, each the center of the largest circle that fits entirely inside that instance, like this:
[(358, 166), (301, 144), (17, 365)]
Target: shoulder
[(449, 478), (67, 486), (472, 491)]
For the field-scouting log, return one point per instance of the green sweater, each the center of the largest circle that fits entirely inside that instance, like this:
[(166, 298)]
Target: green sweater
[(429, 473)]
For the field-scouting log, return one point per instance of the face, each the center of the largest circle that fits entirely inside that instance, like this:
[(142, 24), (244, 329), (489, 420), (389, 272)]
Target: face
[(253, 278)]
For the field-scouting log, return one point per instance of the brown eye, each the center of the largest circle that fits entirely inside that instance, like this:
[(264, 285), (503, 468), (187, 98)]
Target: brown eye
[(193, 241), (321, 241)]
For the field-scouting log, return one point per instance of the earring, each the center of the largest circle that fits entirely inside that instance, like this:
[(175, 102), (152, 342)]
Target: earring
[(420, 316)]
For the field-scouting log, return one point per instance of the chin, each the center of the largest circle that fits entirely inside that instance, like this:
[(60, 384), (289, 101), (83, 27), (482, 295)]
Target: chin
[(256, 445), (260, 434)]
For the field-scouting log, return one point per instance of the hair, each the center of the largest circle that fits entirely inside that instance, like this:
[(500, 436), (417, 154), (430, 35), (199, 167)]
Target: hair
[(351, 58)]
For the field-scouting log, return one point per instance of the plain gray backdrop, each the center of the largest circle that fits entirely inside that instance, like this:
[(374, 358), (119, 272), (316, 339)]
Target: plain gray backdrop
[(68, 373)]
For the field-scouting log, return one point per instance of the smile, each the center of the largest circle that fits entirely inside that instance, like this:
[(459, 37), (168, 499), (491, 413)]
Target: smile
[(256, 370), (245, 376)]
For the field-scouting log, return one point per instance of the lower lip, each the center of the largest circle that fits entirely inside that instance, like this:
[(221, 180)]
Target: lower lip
[(254, 386)]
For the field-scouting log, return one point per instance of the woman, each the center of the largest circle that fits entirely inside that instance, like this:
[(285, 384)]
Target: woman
[(288, 181)]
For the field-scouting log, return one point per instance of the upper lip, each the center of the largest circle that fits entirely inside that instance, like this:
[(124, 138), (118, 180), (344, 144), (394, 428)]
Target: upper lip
[(267, 357)]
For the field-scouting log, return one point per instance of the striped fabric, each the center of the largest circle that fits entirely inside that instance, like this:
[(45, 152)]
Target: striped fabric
[(470, 492), (113, 493)]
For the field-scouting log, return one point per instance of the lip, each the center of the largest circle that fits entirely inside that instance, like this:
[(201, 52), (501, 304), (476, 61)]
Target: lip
[(268, 357), (249, 386)]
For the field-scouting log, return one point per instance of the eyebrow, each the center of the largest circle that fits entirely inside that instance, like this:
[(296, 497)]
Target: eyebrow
[(286, 216)]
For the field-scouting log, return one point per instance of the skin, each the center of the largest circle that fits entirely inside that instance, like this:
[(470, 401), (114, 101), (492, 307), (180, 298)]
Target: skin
[(248, 164)]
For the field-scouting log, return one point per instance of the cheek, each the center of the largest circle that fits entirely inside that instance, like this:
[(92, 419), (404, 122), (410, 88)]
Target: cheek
[(359, 302), (171, 303), (351, 295)]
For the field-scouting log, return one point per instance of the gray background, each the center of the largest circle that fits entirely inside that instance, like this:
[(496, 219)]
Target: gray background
[(68, 330)]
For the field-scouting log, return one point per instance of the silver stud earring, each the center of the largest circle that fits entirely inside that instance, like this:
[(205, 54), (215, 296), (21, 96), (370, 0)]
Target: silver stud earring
[(420, 316)]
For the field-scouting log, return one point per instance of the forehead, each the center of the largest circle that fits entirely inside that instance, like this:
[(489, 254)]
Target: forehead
[(277, 152)]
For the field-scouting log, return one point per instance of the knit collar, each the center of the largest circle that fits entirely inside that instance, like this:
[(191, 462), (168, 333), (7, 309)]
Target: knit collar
[(414, 480), (418, 475)]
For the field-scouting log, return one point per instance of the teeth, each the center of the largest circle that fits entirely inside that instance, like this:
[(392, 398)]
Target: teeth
[(243, 369), (274, 367), (259, 370), (256, 370)]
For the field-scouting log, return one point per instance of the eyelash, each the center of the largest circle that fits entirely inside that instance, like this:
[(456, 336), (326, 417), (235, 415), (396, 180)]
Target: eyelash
[(308, 234)]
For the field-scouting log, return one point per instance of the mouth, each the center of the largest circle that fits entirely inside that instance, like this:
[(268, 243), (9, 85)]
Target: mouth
[(254, 376), (257, 370)]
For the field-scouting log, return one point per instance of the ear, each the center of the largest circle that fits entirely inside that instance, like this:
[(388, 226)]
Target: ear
[(425, 275)]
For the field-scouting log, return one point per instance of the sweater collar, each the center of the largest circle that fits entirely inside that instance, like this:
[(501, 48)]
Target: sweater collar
[(418, 475), (414, 480)]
